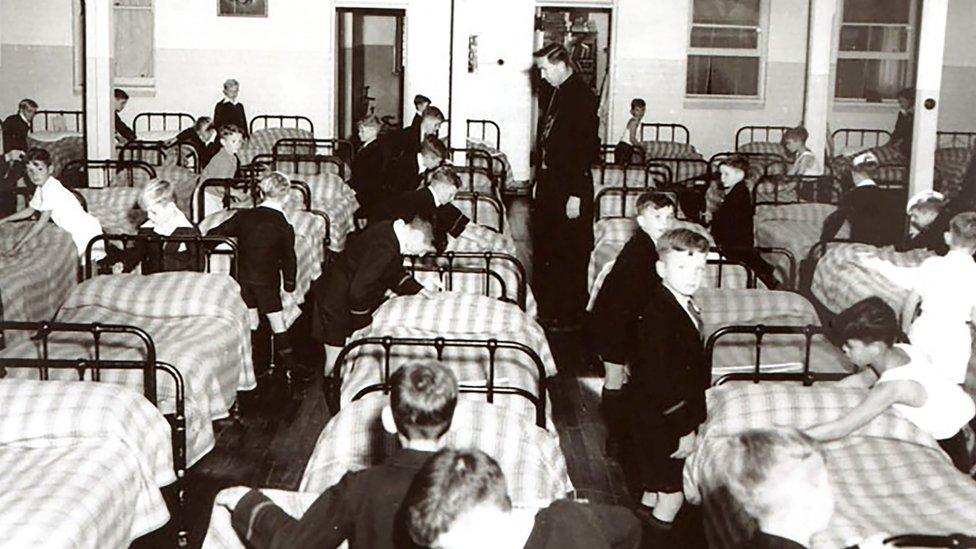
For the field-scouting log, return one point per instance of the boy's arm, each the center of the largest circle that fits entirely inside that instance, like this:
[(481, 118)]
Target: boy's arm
[(632, 126), (19, 215), (35, 229), (863, 379), (289, 263), (881, 397), (228, 228)]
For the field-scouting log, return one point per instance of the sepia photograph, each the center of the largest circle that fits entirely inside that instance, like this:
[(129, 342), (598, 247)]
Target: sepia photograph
[(482, 274)]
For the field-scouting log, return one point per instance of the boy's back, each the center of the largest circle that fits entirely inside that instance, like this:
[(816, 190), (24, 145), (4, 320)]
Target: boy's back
[(874, 214), (266, 243)]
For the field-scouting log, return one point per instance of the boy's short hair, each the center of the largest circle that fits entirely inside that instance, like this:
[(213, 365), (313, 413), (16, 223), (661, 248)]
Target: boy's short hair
[(869, 321), (637, 102), (930, 202), (121, 95), (40, 155), (26, 103), (433, 112), (653, 199), (431, 146), (230, 82), (203, 123), (420, 99), (866, 163), (275, 185), (230, 129), (369, 121), (423, 224), (554, 53), (682, 240), (444, 175), (798, 133), (738, 162), (157, 192), (423, 396), (451, 483), (962, 227)]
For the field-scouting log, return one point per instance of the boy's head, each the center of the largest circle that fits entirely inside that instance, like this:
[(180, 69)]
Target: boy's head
[(457, 500), (655, 212), (555, 63), (231, 138), (864, 166), (682, 254), (962, 232), (231, 89), (368, 128), (420, 103), (204, 128), (433, 152), (38, 165), (423, 396), (637, 108), (733, 170), (121, 99), (156, 198), (418, 236), (867, 329), (906, 99), (275, 186), (27, 108), (795, 139), (444, 183), (767, 478), (431, 122), (924, 207)]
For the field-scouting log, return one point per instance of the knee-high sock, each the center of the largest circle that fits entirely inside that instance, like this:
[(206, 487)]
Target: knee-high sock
[(284, 352)]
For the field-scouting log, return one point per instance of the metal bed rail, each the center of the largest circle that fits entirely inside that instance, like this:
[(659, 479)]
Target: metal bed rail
[(864, 138), (482, 126), (476, 198), (955, 139), (446, 264), (157, 121), (760, 331), (203, 247), (768, 134), (155, 154), (694, 200), (270, 121), (298, 163), (106, 172), (677, 133), (300, 146), (74, 121), (804, 189)]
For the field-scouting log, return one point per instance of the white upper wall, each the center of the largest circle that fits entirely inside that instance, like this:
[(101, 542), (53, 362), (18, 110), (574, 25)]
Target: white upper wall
[(35, 22)]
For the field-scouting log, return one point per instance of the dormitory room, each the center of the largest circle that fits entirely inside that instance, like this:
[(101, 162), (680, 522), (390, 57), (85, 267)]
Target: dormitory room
[(500, 274)]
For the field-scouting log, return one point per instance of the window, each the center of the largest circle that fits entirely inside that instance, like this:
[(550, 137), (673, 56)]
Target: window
[(134, 44), (876, 49), (725, 54)]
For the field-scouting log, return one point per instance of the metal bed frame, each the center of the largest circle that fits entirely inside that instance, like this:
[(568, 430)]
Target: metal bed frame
[(93, 367), (760, 331), (676, 192), (473, 161), (676, 132), (490, 389), (106, 170), (764, 159), (767, 132), (482, 126), (48, 117), (292, 163), (164, 121), (809, 189), (204, 247), (475, 197), (299, 147), (675, 166), (654, 171), (866, 138), (269, 121), (445, 264), (154, 152), (955, 139)]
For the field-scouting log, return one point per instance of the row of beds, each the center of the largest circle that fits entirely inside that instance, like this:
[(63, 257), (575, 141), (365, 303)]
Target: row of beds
[(181, 341)]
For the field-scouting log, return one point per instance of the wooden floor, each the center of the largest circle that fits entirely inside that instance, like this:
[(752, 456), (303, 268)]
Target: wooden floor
[(259, 451)]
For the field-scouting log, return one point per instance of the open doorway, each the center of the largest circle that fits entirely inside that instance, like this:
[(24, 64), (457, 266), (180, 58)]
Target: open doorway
[(369, 63)]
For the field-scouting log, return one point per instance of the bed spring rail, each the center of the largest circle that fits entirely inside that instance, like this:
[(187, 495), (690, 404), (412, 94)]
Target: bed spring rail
[(446, 264), (760, 331)]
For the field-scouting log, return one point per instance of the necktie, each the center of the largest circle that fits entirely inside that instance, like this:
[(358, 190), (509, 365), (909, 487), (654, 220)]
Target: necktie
[(696, 314)]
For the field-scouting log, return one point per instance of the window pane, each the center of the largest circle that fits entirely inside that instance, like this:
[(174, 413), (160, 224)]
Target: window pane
[(134, 43), (717, 37), (728, 12), (877, 11), (887, 39), (718, 75), (871, 79)]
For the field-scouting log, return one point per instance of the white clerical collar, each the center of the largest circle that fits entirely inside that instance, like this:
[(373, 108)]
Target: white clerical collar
[(273, 204), (866, 183)]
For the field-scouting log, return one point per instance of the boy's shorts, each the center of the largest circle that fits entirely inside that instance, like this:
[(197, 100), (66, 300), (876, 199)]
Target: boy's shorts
[(263, 297), (654, 442)]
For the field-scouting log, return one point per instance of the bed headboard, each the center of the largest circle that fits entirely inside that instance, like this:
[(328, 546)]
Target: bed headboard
[(268, 121), (752, 134), (664, 131), (58, 120), (447, 264), (485, 130)]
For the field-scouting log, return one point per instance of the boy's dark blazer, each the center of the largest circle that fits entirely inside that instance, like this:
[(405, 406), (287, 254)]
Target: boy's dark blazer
[(733, 222)]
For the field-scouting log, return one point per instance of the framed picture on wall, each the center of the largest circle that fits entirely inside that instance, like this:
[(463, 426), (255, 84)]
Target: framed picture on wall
[(242, 8)]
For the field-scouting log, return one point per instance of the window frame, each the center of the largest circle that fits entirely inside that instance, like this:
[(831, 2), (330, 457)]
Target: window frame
[(910, 55), (148, 83), (760, 52)]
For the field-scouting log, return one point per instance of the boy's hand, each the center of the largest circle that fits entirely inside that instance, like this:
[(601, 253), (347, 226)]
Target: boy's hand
[(685, 446), (433, 285), (117, 267), (573, 207), (230, 497)]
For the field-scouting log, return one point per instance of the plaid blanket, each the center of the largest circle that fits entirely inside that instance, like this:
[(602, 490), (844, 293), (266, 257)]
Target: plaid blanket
[(113, 206), (795, 227), (62, 151), (841, 279), (38, 280), (309, 253), (489, 213), (333, 196), (669, 149), (80, 464), (887, 476), (262, 141), (530, 457), (501, 165), (476, 179), (951, 164), (617, 176), (764, 147), (198, 323)]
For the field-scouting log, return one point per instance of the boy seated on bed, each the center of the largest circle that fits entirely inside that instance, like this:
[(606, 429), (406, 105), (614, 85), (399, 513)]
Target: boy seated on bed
[(666, 396), (899, 378), (804, 161), (363, 508), (201, 138), (613, 319), (732, 222), (629, 149), (123, 133), (928, 223)]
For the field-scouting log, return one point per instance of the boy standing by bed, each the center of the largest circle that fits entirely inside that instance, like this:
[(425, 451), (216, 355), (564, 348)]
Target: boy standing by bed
[(670, 375)]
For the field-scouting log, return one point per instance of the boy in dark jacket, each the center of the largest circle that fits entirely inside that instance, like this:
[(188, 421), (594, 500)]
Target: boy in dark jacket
[(669, 376), (432, 201), (229, 111), (875, 215)]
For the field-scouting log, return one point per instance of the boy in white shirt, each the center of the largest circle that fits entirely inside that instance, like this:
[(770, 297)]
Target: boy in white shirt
[(899, 378), (804, 161), (57, 204), (629, 149), (944, 287)]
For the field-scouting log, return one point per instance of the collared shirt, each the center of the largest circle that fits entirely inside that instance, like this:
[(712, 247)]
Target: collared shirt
[(686, 303), (229, 100), (274, 205), (398, 227), (171, 220), (866, 183)]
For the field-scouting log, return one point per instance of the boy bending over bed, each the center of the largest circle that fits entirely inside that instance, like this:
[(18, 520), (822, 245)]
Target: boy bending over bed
[(898, 378), (363, 507)]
